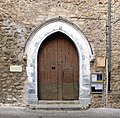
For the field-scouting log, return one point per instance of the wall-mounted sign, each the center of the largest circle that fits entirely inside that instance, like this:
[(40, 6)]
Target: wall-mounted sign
[(96, 82), (15, 68), (101, 61), (97, 77), (96, 87)]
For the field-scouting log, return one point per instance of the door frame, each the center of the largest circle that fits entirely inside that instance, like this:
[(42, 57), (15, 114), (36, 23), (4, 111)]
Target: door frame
[(83, 47)]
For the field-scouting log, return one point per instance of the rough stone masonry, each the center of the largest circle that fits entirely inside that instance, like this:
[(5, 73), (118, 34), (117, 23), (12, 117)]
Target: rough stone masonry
[(18, 18)]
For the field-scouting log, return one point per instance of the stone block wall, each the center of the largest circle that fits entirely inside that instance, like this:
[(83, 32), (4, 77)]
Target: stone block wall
[(18, 18), (114, 94)]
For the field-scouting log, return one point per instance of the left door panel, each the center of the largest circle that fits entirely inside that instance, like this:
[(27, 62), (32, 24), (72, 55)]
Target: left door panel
[(47, 65)]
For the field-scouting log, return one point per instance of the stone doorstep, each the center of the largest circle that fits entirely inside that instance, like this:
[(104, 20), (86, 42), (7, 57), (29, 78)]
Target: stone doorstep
[(58, 102), (58, 105), (47, 105)]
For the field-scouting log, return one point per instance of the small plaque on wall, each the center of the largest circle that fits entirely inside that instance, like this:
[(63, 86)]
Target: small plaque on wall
[(15, 68), (101, 61)]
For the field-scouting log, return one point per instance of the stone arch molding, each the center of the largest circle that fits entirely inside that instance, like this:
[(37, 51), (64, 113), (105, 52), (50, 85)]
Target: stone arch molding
[(84, 52)]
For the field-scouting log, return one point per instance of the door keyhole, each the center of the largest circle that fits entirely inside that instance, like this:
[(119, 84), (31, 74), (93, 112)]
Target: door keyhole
[(53, 68)]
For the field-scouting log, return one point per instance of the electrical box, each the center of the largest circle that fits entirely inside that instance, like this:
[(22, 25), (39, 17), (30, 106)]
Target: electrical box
[(97, 82)]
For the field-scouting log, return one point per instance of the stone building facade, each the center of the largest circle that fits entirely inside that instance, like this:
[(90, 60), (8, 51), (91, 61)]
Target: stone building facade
[(25, 24)]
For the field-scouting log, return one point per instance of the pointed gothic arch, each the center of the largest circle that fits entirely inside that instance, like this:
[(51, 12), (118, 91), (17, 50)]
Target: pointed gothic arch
[(84, 52)]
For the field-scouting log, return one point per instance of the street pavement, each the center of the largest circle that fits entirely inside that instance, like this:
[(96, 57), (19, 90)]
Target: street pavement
[(17, 112)]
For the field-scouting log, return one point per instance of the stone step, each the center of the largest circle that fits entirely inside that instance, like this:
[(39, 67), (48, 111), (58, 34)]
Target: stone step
[(58, 102), (58, 106)]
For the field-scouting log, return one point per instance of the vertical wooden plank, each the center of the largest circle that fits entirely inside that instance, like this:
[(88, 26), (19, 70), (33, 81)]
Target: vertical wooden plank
[(68, 83)]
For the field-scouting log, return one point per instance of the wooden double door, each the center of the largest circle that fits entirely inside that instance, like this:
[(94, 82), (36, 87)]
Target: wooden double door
[(58, 69)]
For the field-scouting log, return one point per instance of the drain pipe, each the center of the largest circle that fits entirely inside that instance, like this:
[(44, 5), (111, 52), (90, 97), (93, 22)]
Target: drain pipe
[(108, 53), (106, 83), (109, 44)]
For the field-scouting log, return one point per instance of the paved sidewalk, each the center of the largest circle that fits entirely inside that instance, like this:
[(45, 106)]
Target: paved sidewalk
[(22, 112)]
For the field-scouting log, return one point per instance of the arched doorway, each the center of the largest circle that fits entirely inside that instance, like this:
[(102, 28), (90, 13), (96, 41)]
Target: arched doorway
[(38, 37), (58, 69)]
